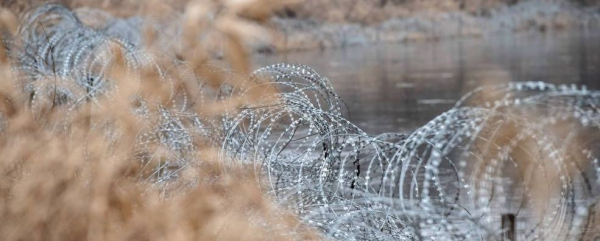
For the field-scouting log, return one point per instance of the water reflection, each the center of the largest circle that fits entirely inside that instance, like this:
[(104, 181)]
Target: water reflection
[(399, 87)]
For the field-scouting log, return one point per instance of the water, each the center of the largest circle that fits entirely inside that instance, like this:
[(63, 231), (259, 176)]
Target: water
[(399, 87)]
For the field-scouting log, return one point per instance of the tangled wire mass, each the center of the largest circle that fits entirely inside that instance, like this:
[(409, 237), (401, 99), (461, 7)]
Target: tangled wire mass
[(526, 148)]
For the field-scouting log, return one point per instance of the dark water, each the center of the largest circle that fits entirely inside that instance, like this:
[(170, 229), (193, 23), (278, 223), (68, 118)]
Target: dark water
[(399, 87)]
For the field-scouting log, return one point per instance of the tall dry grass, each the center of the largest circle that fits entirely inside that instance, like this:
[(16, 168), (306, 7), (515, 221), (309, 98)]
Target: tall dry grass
[(70, 180), (377, 11)]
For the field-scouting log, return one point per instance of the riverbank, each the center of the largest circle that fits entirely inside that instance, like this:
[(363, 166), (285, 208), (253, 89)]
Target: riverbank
[(322, 24), (535, 15)]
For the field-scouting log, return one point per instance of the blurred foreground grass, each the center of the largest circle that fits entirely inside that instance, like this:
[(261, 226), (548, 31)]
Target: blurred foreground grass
[(64, 178)]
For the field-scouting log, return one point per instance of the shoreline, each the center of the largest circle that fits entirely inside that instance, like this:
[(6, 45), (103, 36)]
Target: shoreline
[(536, 15)]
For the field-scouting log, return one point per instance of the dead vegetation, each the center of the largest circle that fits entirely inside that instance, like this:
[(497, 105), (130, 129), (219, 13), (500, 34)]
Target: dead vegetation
[(75, 170), (377, 11), (370, 12)]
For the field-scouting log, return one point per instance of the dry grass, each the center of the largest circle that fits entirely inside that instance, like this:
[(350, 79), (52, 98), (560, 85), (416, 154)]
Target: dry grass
[(74, 183), (117, 8), (375, 11)]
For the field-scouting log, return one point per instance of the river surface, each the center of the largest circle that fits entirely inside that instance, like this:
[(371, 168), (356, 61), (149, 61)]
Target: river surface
[(400, 87)]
